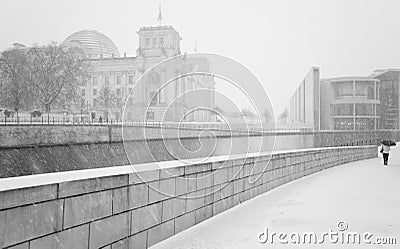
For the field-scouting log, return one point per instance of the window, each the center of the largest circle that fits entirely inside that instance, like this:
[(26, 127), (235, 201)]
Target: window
[(365, 89), (94, 81), (365, 124), (118, 92), (342, 110), (154, 42), (83, 93), (162, 43), (118, 80), (378, 109), (343, 89), (94, 92), (147, 42), (343, 124), (371, 92), (129, 90), (364, 109), (130, 79), (154, 78), (106, 80)]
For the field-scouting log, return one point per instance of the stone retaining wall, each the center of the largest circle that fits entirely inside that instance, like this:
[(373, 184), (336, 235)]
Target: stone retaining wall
[(28, 135), (115, 208), (38, 135)]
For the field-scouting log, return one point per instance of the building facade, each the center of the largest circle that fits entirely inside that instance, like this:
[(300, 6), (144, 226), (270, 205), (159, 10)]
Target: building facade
[(304, 104), (120, 89), (344, 103), (389, 97), (350, 103)]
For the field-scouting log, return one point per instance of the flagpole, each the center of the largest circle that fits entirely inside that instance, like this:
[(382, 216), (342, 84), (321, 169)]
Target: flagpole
[(159, 18)]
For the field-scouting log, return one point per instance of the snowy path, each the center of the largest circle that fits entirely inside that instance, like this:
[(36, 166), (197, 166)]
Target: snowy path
[(364, 194)]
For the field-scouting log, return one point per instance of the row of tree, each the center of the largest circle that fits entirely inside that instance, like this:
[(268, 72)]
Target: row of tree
[(42, 77), (108, 99)]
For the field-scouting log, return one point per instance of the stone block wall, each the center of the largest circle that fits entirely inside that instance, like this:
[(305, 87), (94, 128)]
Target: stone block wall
[(123, 209)]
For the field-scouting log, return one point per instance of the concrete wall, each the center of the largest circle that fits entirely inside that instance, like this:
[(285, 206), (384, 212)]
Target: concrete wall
[(25, 135), (304, 104), (41, 159), (38, 135), (327, 91), (115, 208)]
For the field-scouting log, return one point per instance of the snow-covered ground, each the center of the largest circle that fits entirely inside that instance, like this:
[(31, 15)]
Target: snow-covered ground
[(364, 194)]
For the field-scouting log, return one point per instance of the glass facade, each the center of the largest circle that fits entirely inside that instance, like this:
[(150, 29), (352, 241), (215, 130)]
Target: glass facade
[(355, 105), (365, 124), (342, 109), (365, 89), (343, 89), (343, 124), (363, 109)]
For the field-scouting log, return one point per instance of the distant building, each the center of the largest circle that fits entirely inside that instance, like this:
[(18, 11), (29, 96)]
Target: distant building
[(389, 97), (345, 103), (121, 73), (350, 103), (304, 104)]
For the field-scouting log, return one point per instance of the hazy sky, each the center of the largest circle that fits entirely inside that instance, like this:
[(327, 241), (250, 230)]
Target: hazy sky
[(279, 41)]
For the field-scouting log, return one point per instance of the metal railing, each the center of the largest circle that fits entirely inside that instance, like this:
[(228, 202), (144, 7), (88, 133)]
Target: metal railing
[(48, 120)]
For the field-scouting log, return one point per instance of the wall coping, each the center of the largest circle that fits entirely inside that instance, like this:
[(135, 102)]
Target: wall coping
[(20, 182)]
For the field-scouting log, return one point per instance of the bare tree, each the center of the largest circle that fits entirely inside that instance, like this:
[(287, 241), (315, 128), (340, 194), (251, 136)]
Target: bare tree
[(267, 116), (120, 101), (283, 116), (56, 74), (106, 100), (13, 73), (247, 112)]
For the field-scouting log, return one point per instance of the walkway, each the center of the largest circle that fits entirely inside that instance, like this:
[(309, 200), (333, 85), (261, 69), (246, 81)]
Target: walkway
[(364, 194)]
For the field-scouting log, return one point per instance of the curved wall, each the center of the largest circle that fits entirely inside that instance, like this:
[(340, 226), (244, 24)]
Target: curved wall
[(138, 206)]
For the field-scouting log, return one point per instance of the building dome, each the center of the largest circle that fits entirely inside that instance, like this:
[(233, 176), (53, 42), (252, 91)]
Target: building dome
[(93, 43)]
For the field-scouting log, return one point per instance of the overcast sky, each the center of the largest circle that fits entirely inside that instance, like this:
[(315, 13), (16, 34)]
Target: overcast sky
[(279, 41)]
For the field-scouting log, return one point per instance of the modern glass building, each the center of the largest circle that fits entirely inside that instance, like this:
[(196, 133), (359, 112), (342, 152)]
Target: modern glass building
[(347, 103), (350, 103)]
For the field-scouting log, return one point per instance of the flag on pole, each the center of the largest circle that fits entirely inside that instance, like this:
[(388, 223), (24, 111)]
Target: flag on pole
[(159, 18)]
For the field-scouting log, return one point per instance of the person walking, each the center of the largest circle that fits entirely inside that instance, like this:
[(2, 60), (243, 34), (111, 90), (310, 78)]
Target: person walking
[(385, 153)]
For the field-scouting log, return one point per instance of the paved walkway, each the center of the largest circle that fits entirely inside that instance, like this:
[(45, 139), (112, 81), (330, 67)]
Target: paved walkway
[(364, 194)]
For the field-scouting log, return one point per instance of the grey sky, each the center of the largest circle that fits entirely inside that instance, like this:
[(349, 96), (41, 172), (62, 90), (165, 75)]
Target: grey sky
[(279, 41)]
